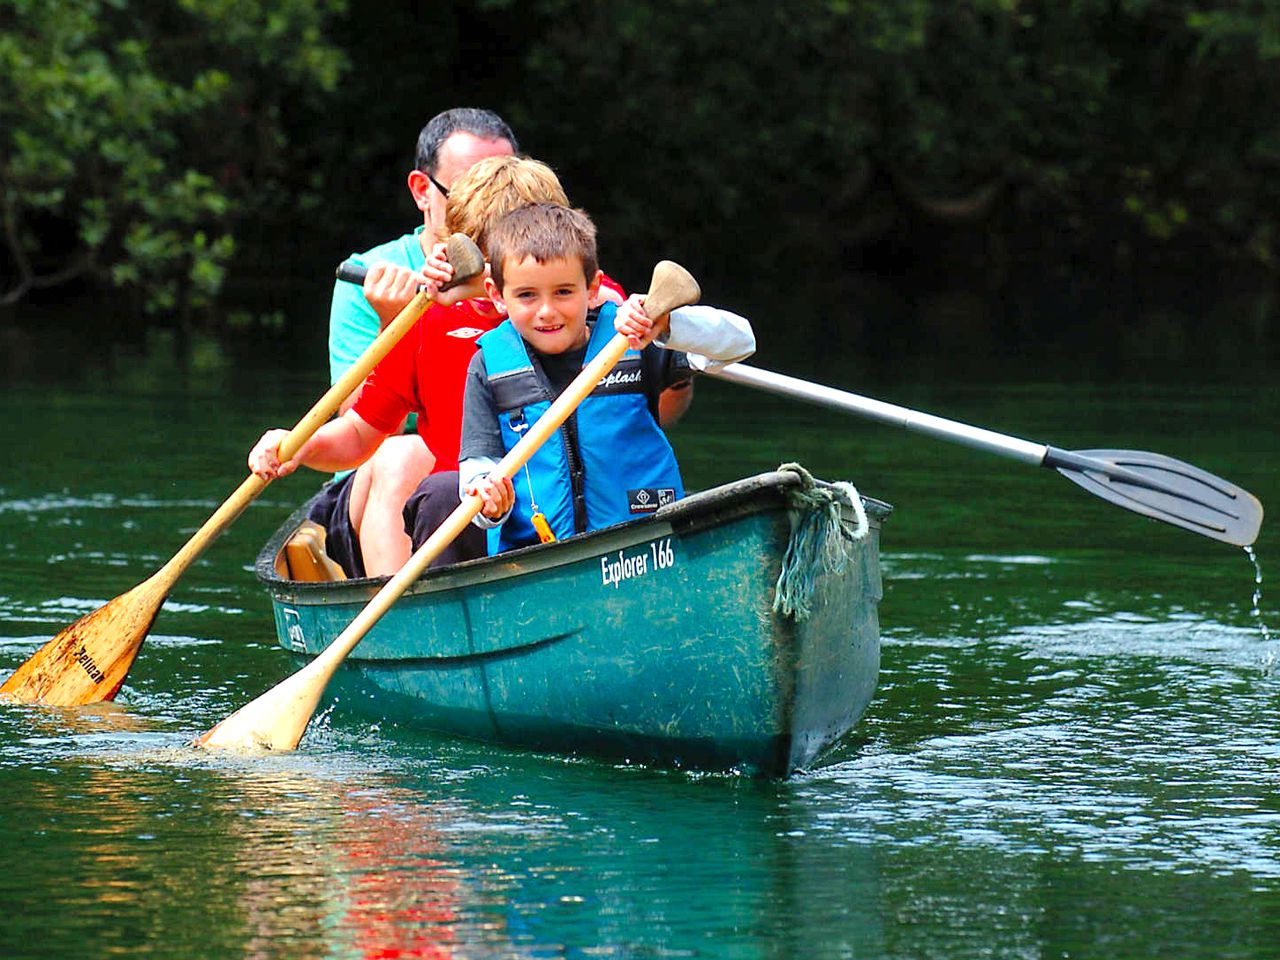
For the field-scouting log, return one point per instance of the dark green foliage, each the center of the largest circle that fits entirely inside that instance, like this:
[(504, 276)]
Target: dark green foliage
[(136, 136), (788, 153), (1148, 122), (831, 164)]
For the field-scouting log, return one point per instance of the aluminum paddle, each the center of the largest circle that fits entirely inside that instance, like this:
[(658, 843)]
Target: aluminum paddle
[(1147, 483)]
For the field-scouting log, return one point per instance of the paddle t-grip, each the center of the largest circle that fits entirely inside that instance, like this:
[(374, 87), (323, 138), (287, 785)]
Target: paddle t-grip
[(461, 250), (672, 286)]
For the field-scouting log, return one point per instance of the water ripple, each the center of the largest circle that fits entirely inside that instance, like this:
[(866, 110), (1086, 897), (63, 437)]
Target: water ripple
[(63, 503)]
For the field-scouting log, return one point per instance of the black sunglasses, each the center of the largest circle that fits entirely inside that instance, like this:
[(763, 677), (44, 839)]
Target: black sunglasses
[(444, 191)]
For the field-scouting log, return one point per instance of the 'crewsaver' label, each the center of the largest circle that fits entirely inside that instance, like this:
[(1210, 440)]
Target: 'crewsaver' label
[(649, 499)]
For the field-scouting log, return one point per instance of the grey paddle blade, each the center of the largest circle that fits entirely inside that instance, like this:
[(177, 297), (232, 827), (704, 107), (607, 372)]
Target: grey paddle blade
[(1166, 489)]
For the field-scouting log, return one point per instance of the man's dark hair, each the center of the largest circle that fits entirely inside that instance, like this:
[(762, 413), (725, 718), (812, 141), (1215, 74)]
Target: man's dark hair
[(484, 124)]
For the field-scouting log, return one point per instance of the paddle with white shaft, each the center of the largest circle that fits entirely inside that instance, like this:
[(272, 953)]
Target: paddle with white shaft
[(277, 719), (87, 662), (1147, 483)]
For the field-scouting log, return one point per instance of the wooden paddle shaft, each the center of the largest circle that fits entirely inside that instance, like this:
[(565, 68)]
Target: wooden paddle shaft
[(314, 418), (672, 287), (312, 421), (278, 719), (87, 661), (462, 515)]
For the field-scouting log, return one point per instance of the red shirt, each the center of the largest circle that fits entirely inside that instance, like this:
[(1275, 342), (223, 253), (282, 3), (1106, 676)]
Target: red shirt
[(426, 373)]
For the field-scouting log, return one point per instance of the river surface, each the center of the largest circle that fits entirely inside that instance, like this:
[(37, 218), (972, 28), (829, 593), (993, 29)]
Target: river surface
[(1073, 751)]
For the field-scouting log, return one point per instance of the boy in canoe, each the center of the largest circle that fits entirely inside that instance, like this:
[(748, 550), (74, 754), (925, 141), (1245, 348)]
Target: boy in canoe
[(611, 461), (423, 374)]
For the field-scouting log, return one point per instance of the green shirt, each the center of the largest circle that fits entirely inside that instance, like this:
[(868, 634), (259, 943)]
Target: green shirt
[(353, 324)]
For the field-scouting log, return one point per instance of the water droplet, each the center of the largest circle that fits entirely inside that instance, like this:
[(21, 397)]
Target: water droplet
[(1269, 661)]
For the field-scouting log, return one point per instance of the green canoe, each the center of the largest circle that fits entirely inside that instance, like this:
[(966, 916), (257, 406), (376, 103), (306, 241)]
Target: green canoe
[(654, 641)]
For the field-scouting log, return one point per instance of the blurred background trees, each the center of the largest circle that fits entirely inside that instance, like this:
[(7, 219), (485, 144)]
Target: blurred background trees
[(910, 174), (137, 137)]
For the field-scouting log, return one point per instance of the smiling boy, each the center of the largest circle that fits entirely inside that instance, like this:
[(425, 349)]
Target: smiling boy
[(610, 461)]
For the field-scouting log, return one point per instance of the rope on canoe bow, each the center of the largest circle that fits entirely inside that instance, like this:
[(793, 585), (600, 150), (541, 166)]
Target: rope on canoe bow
[(820, 540)]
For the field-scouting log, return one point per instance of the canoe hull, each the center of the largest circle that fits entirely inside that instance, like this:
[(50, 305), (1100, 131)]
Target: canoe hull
[(652, 642)]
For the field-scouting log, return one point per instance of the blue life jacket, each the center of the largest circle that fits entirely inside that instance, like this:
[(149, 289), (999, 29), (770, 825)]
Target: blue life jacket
[(607, 463)]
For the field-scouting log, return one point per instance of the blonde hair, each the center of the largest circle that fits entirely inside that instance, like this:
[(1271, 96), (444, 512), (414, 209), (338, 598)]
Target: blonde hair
[(494, 187), (543, 231)]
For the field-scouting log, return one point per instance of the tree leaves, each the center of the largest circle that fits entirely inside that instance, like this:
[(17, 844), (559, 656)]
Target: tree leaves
[(738, 136), (133, 124)]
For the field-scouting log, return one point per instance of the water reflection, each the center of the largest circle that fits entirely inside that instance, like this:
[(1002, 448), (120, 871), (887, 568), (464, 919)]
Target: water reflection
[(458, 856), (340, 869), (1072, 750), (445, 850)]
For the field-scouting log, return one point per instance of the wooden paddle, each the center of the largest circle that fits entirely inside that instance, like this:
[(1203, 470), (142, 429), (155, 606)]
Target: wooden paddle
[(87, 661), (1147, 483), (277, 719)]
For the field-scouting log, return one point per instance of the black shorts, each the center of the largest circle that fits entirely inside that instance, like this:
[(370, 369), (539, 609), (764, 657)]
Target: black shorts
[(331, 508), (434, 500)]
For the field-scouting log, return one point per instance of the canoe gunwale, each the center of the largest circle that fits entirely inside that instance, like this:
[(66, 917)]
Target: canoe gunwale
[(706, 508)]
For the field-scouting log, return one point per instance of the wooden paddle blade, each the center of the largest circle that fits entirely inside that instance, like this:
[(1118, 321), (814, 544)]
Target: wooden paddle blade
[(1179, 493), (274, 721), (87, 662)]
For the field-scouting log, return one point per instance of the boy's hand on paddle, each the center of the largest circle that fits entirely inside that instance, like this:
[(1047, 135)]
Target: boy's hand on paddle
[(498, 494), (389, 288), (636, 325), (439, 270), (264, 458)]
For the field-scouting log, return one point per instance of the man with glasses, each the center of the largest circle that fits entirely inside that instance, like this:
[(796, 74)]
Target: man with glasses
[(449, 145)]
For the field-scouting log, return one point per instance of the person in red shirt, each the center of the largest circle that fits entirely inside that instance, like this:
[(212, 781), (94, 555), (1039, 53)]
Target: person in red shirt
[(424, 374), (451, 143)]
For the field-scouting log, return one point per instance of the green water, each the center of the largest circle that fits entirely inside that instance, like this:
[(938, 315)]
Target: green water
[(1073, 751)]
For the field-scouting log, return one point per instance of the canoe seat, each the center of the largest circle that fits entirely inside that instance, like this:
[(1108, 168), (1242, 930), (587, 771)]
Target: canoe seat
[(305, 556)]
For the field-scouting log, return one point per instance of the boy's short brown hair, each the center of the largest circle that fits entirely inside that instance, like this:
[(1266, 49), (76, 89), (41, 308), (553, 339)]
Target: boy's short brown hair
[(544, 231), (494, 187)]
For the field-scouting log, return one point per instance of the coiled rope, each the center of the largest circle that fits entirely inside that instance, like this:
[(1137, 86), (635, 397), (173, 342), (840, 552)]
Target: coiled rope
[(820, 542)]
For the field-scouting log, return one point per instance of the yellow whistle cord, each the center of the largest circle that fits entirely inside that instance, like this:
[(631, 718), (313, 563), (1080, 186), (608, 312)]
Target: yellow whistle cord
[(539, 519)]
